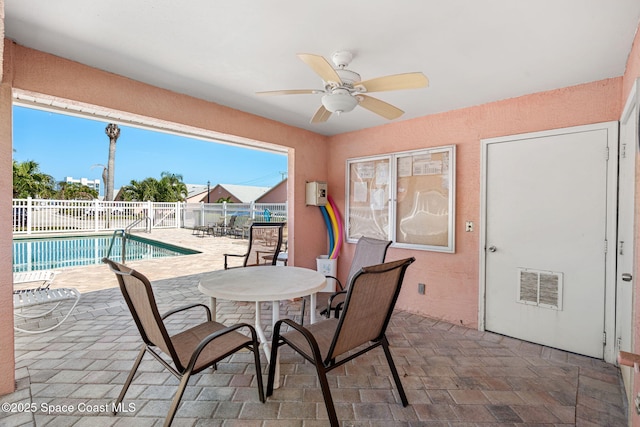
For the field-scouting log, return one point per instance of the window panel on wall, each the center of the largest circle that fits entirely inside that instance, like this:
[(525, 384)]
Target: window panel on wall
[(420, 207), (422, 195), (369, 195)]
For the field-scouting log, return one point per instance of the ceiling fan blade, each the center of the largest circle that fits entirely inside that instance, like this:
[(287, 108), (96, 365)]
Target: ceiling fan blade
[(321, 66), (395, 82), (381, 108), (322, 115)]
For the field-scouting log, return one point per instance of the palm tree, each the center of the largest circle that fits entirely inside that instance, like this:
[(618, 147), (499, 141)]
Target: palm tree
[(142, 191), (113, 132), (169, 188), (28, 181), (172, 187), (75, 191)]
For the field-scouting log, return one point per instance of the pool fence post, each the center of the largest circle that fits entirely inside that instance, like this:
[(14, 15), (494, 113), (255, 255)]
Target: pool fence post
[(224, 212), (150, 214), (29, 214), (95, 215)]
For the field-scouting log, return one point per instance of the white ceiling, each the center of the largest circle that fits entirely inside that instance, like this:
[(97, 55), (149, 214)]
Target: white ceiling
[(472, 51)]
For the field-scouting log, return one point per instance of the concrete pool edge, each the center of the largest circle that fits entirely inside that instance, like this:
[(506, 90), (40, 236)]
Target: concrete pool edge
[(62, 251)]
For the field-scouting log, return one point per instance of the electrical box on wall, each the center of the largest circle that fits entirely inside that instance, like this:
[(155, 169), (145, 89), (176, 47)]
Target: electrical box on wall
[(316, 193)]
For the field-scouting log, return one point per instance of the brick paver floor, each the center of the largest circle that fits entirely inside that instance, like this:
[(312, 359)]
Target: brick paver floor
[(454, 376)]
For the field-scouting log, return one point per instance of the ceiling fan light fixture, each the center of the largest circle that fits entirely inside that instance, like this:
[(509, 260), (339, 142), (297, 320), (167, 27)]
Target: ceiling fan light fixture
[(339, 102)]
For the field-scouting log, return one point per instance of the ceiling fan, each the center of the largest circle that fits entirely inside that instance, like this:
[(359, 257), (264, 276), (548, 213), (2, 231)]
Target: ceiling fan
[(343, 89)]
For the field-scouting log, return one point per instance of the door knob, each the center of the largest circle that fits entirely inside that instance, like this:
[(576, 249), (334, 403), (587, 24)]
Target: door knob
[(493, 249), (626, 277)]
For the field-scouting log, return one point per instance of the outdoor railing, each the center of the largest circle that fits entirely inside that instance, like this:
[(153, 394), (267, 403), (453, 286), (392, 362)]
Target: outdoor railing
[(203, 214), (39, 216), (123, 236)]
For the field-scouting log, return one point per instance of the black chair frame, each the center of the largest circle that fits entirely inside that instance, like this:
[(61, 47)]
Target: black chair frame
[(327, 363), (180, 371), (254, 226)]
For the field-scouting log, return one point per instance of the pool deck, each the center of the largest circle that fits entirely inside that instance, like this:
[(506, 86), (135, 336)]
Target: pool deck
[(453, 376), (96, 277)]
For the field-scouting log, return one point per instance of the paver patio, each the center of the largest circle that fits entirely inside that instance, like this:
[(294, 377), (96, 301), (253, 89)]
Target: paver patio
[(454, 376)]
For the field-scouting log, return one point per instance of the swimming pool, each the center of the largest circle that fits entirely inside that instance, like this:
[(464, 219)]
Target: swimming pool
[(59, 252)]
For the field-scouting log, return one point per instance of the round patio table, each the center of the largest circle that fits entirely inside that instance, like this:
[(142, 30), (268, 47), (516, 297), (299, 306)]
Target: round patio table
[(259, 284)]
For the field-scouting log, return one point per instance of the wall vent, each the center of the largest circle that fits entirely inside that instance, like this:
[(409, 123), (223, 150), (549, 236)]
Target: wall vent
[(540, 288)]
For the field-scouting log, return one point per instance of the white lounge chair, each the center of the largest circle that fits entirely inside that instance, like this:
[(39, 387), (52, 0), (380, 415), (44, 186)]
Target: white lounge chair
[(43, 294), (44, 276)]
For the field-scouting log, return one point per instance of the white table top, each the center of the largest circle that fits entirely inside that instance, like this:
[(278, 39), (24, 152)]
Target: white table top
[(261, 283)]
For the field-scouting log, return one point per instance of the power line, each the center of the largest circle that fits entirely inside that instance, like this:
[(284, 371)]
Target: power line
[(254, 180)]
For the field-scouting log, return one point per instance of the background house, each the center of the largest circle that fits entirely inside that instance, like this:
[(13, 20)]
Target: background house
[(234, 193), (276, 194), (195, 192)]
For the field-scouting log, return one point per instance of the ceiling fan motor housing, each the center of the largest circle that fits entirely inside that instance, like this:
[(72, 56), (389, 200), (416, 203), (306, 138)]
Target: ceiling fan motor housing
[(339, 101), (348, 77)]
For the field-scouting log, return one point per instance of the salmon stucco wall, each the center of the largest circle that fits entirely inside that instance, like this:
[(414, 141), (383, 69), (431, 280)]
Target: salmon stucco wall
[(452, 280)]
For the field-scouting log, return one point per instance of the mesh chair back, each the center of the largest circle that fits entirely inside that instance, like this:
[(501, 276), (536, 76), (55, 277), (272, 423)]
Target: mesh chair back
[(139, 297), (368, 307), (265, 239), (368, 252)]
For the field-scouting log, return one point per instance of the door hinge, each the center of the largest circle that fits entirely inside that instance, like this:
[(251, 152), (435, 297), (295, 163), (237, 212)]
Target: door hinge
[(606, 246), (604, 338), (606, 153), (623, 150), (618, 342)]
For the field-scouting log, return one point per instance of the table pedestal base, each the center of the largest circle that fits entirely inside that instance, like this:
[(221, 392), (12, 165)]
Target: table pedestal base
[(275, 316)]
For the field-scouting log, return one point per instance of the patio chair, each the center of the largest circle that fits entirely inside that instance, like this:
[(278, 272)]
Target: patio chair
[(44, 277), (218, 228), (198, 230), (333, 342), (191, 350), (26, 298), (265, 239), (369, 251), (223, 229), (240, 227)]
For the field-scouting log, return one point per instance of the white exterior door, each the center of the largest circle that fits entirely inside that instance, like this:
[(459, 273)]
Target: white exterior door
[(548, 201), (625, 245)]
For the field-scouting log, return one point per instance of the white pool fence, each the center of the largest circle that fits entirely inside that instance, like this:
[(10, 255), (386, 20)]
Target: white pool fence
[(40, 216)]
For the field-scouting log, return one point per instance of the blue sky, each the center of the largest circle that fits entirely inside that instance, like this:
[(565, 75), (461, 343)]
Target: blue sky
[(69, 146)]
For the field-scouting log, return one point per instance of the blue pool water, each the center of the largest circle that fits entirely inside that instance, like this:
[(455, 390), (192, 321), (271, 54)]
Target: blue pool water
[(53, 253)]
